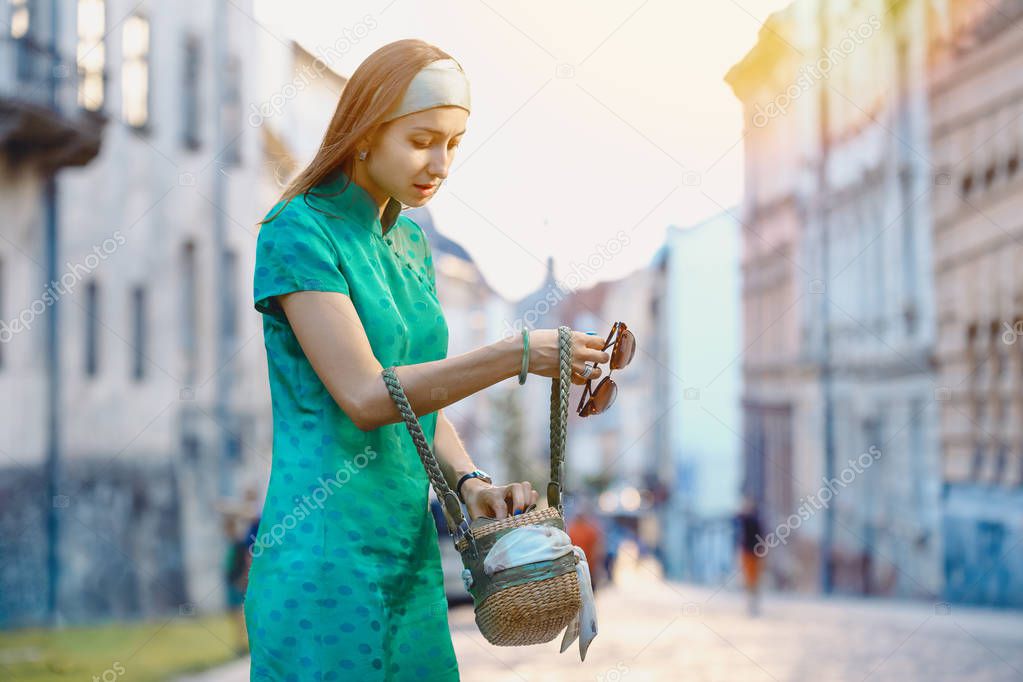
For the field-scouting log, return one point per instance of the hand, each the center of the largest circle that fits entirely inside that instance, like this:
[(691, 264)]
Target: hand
[(545, 355), (497, 501)]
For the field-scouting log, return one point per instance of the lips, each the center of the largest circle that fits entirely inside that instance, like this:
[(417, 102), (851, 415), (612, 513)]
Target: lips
[(426, 187)]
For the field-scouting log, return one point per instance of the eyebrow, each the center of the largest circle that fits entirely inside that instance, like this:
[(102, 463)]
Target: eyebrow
[(434, 130)]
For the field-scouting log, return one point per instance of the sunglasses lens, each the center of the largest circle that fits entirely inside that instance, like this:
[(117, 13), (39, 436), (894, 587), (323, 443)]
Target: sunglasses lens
[(624, 350), (604, 396)]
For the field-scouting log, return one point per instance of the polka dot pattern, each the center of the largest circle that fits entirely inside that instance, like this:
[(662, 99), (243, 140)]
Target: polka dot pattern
[(346, 580)]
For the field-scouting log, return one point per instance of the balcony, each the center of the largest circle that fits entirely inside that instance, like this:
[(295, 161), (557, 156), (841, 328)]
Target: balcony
[(41, 122)]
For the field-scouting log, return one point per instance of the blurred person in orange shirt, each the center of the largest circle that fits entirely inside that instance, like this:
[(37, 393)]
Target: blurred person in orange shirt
[(585, 531), (748, 529)]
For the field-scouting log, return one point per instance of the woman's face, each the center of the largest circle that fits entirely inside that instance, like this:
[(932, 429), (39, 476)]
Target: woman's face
[(411, 155)]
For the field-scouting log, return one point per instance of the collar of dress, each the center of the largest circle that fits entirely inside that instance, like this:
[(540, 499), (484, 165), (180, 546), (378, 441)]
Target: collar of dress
[(357, 202)]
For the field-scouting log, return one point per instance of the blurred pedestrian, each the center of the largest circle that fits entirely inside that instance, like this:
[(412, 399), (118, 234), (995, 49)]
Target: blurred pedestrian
[(613, 536), (584, 530), (749, 531), (236, 576), (240, 524)]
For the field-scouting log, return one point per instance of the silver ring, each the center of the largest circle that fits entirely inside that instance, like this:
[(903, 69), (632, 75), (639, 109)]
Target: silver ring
[(587, 371)]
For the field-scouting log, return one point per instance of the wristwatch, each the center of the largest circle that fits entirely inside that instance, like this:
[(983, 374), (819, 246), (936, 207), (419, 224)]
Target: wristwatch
[(478, 473)]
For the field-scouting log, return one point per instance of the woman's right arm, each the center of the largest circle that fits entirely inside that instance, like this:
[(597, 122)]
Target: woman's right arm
[(332, 337)]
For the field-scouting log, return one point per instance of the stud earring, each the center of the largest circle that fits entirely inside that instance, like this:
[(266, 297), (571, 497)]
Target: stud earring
[(362, 155)]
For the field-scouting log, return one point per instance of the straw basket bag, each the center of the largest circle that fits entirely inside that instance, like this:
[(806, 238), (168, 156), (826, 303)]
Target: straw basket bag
[(521, 605)]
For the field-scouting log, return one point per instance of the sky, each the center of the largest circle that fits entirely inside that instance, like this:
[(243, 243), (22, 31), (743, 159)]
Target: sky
[(595, 125)]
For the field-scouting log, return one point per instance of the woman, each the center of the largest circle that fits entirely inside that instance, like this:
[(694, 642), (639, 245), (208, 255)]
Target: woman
[(346, 580)]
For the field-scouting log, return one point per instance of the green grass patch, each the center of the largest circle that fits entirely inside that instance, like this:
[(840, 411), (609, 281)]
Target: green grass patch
[(143, 651)]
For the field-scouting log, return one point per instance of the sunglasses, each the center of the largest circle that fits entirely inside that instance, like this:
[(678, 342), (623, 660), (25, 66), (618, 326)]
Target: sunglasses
[(598, 400)]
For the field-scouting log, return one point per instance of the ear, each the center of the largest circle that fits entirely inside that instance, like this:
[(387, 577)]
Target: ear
[(365, 144)]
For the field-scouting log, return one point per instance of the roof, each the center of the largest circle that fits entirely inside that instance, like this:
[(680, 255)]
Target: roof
[(438, 243), (771, 45)]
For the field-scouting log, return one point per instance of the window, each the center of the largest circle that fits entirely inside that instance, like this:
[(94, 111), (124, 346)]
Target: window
[(231, 296), (989, 176), (139, 337), (135, 71), (91, 54), (917, 465), (967, 184), (91, 328), (190, 120), (232, 111), (909, 252), (902, 85), (25, 56), (20, 18), (4, 337), (189, 310)]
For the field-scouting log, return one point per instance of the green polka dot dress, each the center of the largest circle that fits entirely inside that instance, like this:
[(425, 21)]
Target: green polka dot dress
[(346, 580)]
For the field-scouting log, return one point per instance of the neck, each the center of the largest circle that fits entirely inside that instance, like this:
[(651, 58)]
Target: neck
[(379, 197)]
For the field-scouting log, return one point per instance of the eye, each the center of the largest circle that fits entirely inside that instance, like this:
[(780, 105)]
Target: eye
[(454, 145), (421, 144)]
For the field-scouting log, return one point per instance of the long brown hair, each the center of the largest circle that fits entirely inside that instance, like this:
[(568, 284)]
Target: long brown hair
[(387, 72)]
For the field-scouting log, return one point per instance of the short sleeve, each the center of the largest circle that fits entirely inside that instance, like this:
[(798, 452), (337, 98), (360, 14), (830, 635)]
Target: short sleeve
[(294, 254)]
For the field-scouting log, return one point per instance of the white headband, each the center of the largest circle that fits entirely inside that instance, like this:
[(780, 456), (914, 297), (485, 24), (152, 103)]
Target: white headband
[(438, 84)]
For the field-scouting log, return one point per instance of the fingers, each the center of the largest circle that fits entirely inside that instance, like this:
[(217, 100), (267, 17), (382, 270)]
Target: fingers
[(518, 496), (578, 370), (589, 340), (589, 348), (500, 502), (498, 508)]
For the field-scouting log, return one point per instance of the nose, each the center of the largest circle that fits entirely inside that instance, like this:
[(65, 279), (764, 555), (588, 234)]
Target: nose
[(440, 162)]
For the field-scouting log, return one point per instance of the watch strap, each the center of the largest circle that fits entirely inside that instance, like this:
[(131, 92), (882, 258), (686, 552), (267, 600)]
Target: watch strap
[(465, 477)]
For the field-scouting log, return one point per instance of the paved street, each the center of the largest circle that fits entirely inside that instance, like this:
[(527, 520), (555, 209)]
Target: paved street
[(652, 630)]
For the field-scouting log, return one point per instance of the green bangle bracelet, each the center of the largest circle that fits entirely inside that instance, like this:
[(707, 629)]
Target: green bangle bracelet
[(525, 356)]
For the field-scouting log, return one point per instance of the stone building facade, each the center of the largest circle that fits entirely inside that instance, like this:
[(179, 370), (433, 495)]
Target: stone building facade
[(125, 423), (840, 419), (976, 104)]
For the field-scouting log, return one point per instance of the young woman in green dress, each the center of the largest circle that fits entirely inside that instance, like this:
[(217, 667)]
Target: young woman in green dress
[(346, 579)]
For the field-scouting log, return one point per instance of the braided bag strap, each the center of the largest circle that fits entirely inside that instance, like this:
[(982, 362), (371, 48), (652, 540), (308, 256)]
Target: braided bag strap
[(457, 524), (560, 387)]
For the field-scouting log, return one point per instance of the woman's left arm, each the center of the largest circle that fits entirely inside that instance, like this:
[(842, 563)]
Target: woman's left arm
[(481, 498)]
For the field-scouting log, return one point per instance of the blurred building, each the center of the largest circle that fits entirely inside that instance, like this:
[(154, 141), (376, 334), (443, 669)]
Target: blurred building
[(781, 410), (840, 421), (130, 404), (976, 105), (867, 235), (611, 450), (698, 350), (475, 316), (545, 308), (295, 99), (617, 457)]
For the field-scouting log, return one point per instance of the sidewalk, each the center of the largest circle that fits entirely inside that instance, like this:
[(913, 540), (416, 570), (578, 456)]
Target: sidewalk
[(656, 630), (237, 671)]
